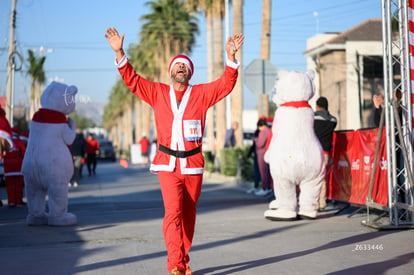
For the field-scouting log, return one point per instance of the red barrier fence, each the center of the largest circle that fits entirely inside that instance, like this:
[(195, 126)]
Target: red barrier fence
[(350, 170)]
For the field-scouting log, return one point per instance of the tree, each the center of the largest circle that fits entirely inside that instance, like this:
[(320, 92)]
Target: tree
[(207, 7), (265, 50), (237, 94), (167, 30), (171, 30), (218, 14), (37, 79), (81, 121)]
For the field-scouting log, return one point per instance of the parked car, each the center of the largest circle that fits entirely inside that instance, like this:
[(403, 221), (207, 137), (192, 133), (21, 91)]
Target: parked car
[(106, 150)]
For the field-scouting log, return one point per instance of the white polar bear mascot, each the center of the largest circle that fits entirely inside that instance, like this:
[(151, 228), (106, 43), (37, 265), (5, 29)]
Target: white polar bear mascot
[(48, 164), (295, 155)]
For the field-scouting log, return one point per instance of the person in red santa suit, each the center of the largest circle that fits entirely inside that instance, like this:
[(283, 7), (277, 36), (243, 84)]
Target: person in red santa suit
[(12, 170), (180, 112), (5, 137)]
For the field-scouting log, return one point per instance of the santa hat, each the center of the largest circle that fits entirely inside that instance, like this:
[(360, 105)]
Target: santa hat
[(5, 129), (183, 59)]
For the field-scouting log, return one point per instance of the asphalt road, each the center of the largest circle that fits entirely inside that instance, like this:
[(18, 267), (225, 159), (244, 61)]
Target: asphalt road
[(119, 231)]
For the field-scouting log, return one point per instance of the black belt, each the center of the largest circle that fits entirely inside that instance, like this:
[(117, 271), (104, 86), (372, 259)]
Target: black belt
[(179, 154)]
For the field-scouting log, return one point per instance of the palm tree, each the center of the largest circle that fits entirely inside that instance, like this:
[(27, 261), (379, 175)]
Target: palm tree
[(206, 7), (265, 49), (218, 14), (171, 29), (119, 107), (237, 94), (167, 31), (142, 59), (37, 79)]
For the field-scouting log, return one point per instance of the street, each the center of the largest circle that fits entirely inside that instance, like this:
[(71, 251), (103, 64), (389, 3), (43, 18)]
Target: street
[(119, 231)]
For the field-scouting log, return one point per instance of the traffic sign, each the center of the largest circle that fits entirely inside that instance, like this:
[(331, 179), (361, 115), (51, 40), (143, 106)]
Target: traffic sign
[(260, 76)]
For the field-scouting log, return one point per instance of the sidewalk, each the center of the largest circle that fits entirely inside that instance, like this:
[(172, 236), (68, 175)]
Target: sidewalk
[(119, 231)]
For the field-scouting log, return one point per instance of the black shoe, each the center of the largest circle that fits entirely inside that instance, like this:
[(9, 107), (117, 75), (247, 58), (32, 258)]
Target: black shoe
[(1, 203)]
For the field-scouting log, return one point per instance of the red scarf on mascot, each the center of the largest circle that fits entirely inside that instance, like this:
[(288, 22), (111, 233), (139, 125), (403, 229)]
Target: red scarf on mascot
[(294, 104), (50, 116)]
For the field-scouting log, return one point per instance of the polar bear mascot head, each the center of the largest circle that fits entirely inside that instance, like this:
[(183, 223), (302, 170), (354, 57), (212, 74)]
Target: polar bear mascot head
[(295, 155), (48, 163)]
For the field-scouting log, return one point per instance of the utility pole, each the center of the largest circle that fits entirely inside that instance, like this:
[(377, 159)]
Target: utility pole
[(11, 66), (265, 53)]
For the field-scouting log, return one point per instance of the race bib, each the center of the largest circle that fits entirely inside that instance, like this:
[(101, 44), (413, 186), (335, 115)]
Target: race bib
[(192, 130)]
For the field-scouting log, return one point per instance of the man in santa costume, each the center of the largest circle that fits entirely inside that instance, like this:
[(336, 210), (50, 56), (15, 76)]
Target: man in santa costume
[(180, 112), (12, 170), (5, 137)]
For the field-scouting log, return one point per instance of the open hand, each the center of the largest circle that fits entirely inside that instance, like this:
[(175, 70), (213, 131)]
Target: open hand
[(4, 147), (114, 39), (233, 44)]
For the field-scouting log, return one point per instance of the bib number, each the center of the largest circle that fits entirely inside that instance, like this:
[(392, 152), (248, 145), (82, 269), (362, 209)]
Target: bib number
[(192, 130)]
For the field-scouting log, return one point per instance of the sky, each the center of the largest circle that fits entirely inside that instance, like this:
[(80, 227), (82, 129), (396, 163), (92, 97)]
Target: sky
[(71, 34)]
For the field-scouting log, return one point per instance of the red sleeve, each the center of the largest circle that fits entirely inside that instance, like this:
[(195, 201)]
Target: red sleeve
[(139, 86), (220, 88)]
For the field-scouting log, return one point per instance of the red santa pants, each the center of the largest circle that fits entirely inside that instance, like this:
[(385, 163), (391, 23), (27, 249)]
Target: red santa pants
[(14, 187), (180, 194)]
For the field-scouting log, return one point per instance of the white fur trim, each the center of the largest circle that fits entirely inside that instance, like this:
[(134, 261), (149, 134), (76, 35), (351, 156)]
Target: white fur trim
[(182, 60), (5, 135), (13, 174), (234, 65), (121, 62)]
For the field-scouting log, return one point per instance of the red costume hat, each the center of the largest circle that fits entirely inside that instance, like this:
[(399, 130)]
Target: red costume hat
[(5, 129), (183, 59)]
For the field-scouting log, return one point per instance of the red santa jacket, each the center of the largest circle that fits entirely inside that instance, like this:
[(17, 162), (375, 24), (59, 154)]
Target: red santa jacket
[(5, 128), (179, 128), (92, 146), (14, 158), (144, 142)]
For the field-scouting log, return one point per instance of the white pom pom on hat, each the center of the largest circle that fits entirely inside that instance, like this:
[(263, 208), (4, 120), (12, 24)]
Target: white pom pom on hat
[(183, 59)]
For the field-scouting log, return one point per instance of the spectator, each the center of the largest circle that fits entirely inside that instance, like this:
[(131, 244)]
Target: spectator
[(79, 148), (324, 126), (378, 100), (5, 137), (91, 153), (144, 142), (256, 171), (230, 139), (261, 146), (12, 170)]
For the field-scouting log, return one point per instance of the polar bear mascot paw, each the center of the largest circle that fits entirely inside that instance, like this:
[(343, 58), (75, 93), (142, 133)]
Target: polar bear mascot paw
[(295, 155), (48, 164)]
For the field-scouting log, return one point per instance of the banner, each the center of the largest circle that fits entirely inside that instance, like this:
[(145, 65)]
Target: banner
[(350, 170)]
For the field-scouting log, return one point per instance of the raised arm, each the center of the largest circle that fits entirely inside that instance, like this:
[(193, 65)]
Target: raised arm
[(116, 42), (233, 44)]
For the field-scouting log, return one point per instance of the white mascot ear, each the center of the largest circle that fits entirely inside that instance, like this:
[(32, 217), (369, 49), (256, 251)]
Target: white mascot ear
[(282, 73), (311, 75), (72, 90)]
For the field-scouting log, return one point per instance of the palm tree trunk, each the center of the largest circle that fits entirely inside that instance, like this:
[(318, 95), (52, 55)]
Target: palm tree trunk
[(138, 119), (218, 71), (210, 66), (265, 50), (237, 94), (146, 118), (128, 125), (32, 101)]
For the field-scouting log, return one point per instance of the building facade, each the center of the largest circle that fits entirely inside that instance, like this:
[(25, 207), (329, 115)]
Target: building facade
[(349, 71)]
